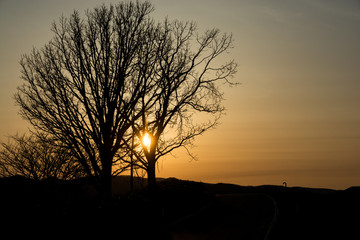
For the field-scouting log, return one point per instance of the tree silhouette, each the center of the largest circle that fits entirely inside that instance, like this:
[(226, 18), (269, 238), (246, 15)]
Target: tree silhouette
[(116, 75), (186, 82), (37, 156), (84, 85)]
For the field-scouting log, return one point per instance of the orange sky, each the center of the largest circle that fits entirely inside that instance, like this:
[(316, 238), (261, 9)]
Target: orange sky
[(294, 118)]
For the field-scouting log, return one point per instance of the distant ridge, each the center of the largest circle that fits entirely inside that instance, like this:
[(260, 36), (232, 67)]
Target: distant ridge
[(181, 209)]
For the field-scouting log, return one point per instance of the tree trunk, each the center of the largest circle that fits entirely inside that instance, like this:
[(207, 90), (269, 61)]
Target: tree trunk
[(151, 171), (106, 178), (106, 184), (132, 164), (131, 176)]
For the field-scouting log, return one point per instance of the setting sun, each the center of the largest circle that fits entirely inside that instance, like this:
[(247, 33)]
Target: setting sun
[(146, 140)]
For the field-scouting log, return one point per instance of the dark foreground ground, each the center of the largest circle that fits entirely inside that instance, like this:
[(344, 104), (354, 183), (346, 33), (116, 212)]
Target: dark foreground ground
[(179, 210)]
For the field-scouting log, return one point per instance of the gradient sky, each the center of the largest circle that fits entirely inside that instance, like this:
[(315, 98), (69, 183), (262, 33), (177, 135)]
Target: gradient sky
[(296, 115)]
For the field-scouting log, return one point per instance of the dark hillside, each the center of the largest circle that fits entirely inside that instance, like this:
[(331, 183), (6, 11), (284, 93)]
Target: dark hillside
[(179, 210)]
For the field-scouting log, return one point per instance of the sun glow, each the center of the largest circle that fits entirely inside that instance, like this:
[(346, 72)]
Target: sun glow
[(146, 140)]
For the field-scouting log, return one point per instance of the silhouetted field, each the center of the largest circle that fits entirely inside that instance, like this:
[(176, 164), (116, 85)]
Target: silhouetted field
[(179, 210)]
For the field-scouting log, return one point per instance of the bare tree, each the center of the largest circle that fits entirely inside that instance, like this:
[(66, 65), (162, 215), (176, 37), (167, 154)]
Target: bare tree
[(106, 81), (187, 81), (38, 157), (83, 87)]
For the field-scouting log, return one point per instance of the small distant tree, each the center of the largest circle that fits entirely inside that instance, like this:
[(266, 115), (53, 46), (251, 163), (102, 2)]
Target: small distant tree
[(37, 156)]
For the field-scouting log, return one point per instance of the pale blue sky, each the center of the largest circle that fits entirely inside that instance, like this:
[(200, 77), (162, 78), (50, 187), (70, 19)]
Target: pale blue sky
[(296, 116)]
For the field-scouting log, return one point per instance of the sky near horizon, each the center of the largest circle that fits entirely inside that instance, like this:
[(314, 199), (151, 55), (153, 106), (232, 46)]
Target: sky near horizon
[(296, 115)]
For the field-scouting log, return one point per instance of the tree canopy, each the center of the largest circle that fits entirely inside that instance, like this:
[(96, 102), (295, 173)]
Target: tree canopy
[(108, 78)]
